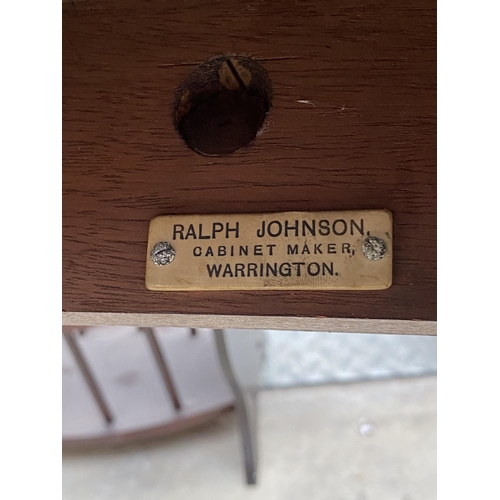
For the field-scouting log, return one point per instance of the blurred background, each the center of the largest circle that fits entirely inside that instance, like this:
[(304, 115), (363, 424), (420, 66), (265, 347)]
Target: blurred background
[(333, 416)]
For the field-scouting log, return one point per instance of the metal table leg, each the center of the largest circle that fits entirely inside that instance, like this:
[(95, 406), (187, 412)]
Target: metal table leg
[(245, 402)]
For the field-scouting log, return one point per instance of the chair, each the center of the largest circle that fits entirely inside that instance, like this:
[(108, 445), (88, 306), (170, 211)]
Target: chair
[(238, 355)]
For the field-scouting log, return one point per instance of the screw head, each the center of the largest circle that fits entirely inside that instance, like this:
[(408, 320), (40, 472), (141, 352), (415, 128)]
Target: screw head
[(162, 253), (374, 248)]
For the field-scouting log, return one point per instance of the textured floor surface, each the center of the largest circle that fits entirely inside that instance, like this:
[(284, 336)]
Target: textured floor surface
[(365, 441), (309, 358)]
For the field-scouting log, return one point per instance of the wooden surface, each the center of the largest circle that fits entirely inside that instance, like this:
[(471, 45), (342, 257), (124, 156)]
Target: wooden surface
[(353, 126), (297, 323)]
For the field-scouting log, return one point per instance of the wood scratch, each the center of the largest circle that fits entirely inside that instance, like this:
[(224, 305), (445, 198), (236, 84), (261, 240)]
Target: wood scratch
[(304, 101)]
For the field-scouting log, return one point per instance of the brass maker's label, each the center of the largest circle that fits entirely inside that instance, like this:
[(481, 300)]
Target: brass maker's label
[(342, 250)]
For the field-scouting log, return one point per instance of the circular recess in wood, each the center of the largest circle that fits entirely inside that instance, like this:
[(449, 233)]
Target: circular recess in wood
[(222, 104)]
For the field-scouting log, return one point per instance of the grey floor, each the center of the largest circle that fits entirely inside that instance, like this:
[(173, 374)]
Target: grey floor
[(371, 440)]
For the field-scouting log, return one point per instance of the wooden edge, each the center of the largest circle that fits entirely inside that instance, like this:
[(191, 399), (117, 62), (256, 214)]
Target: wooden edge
[(156, 432), (341, 325)]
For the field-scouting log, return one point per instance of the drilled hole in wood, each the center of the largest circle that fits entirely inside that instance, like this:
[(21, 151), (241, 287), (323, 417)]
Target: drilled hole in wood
[(222, 105)]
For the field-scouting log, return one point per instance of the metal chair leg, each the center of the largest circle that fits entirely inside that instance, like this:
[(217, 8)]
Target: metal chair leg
[(88, 376), (245, 407), (162, 366)]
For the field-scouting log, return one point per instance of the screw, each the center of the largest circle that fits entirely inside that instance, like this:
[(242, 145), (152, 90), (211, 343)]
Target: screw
[(374, 248), (162, 253), (234, 76)]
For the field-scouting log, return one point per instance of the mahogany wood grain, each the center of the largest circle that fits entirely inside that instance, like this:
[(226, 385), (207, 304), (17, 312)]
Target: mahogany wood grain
[(353, 126)]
